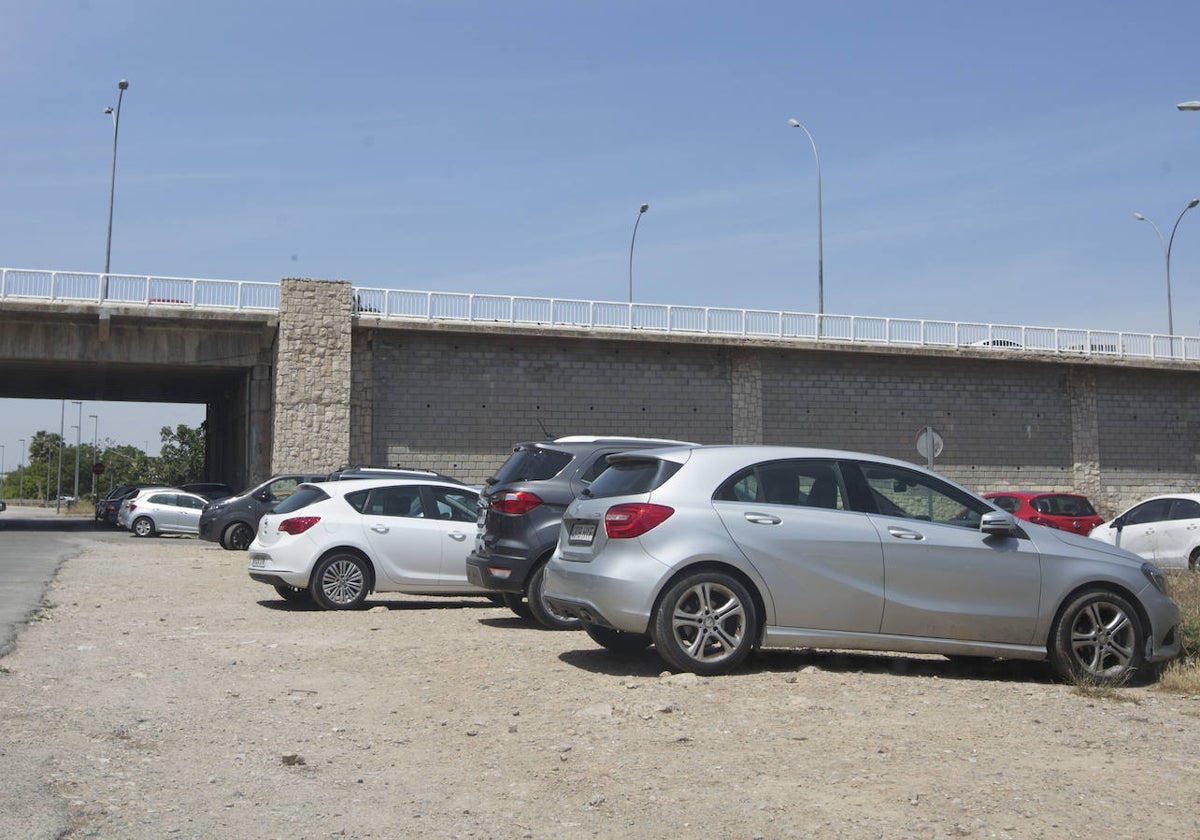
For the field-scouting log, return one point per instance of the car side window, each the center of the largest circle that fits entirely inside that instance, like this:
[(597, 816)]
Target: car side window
[(455, 505), (402, 501), (1155, 510), (281, 488), (895, 491), (800, 483), (162, 499), (594, 469), (1185, 509), (190, 502)]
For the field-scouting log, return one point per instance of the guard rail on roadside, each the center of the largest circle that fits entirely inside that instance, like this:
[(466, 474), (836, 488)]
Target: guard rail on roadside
[(152, 291)]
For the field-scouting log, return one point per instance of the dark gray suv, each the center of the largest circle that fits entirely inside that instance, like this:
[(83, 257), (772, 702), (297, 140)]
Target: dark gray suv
[(520, 511)]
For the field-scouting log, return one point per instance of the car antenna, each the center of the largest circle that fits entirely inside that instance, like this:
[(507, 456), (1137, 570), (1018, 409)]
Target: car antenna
[(544, 432)]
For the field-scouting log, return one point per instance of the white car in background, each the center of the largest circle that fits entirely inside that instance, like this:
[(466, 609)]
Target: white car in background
[(1162, 529), (336, 542), (161, 510)]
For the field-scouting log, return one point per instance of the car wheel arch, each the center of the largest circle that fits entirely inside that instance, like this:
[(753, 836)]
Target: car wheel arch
[(1098, 586), (357, 552), (765, 617)]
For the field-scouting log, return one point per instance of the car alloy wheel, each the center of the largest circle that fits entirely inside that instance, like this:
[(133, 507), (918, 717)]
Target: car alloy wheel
[(340, 582), (238, 537), (143, 527), (705, 623), (1098, 638)]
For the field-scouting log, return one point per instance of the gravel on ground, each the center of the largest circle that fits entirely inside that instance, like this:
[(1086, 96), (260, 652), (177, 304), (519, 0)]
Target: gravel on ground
[(160, 693)]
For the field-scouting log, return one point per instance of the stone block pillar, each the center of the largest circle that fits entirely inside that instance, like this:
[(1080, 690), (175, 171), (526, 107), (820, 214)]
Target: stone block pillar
[(312, 376)]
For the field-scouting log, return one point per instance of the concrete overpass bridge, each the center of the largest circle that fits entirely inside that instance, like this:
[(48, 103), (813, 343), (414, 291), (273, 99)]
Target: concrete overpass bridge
[(313, 374)]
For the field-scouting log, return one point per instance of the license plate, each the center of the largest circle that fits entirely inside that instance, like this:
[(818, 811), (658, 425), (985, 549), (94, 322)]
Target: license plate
[(258, 562), (582, 533)]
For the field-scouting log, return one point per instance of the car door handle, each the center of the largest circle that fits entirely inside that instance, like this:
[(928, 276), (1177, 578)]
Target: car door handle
[(380, 529), (762, 518), (905, 534), (458, 536)]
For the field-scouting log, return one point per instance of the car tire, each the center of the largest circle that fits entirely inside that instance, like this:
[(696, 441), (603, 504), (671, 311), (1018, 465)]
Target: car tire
[(237, 537), (340, 581), (142, 527), (705, 623), (1194, 560), (294, 594), (543, 613), (1098, 638), (618, 641), (517, 604)]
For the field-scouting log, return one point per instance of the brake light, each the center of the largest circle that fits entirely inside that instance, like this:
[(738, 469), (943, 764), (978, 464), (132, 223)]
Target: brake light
[(623, 522), (132, 506), (298, 524), (516, 502)]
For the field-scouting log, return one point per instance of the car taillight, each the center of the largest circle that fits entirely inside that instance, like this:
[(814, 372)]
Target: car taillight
[(298, 524), (516, 502), (623, 522), (132, 506)]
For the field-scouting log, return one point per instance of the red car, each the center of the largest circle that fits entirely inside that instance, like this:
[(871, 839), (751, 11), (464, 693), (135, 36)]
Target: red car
[(1064, 511)]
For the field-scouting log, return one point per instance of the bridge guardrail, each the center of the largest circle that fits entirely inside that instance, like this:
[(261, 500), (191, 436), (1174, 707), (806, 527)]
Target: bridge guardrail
[(153, 291)]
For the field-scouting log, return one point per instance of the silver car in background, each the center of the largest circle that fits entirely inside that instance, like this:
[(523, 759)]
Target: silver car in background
[(161, 510), (709, 552)]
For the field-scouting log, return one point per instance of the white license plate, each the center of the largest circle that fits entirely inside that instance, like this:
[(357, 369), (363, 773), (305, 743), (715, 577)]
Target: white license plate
[(582, 533), (258, 562)]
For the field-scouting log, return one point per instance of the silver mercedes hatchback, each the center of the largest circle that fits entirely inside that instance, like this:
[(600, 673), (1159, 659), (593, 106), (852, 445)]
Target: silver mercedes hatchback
[(708, 552)]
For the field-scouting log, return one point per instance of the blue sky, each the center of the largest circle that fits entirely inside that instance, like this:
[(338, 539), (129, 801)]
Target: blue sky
[(979, 162)]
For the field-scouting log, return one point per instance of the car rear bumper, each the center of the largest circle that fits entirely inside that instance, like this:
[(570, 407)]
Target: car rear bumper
[(500, 574)]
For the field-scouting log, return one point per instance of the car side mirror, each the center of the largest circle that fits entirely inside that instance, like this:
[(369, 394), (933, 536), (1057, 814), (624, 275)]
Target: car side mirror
[(998, 522), (263, 495)]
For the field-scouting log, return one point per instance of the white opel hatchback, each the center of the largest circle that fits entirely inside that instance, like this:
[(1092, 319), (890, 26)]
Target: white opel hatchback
[(336, 542)]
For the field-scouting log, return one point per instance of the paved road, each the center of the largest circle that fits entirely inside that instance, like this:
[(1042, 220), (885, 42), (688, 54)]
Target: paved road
[(33, 542)]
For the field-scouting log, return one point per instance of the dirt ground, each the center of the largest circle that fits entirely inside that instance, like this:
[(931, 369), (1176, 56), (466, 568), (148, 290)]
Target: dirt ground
[(160, 693)]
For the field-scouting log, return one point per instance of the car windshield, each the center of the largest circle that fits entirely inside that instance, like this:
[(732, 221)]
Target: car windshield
[(1063, 505), (532, 463), (304, 496)]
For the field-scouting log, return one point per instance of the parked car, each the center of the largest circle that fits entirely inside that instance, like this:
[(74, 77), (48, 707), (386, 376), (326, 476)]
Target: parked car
[(109, 507), (710, 552), (359, 472), (336, 542), (161, 510), (3, 506), (211, 490), (1065, 511), (521, 508), (233, 521), (1162, 529)]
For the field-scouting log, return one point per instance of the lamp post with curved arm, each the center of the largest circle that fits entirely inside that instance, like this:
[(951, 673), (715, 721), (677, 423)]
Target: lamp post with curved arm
[(820, 237), (1193, 105), (1166, 245), (122, 86), (641, 212)]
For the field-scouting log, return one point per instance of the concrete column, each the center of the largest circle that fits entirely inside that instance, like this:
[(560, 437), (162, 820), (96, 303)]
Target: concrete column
[(745, 372), (1085, 431), (312, 376)]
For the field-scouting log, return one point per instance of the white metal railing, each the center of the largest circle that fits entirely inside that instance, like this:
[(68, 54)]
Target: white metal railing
[(150, 291), (81, 287)]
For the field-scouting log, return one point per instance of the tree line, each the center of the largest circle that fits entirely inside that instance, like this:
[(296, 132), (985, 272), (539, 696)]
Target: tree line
[(181, 459)]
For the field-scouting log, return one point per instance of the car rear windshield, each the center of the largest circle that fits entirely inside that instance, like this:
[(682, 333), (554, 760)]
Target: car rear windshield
[(532, 463), (304, 496), (632, 477), (1063, 506)]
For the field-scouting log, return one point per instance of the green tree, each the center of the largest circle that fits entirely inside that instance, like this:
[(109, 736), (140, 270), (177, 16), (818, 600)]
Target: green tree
[(43, 447), (181, 458)]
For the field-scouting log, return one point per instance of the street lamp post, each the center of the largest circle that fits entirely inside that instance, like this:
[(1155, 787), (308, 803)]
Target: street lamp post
[(95, 454), (62, 428), (1166, 245), (21, 471), (122, 86), (1193, 105), (820, 235), (78, 434), (641, 211)]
